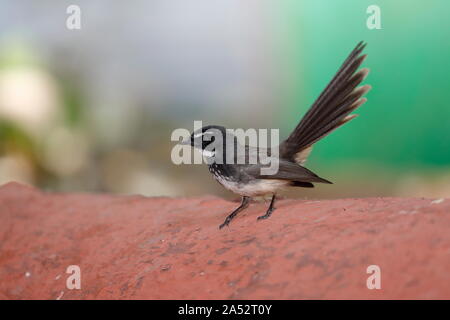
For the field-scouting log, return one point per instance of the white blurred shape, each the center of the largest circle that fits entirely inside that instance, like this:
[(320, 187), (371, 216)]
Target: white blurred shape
[(28, 97), (65, 151)]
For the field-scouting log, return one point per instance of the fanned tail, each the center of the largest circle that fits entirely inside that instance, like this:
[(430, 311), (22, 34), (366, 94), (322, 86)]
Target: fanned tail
[(331, 109)]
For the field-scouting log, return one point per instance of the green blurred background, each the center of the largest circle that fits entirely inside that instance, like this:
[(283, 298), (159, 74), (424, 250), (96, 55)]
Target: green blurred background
[(92, 110)]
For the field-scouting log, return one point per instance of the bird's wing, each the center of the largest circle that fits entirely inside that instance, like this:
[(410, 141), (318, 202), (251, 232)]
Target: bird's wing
[(331, 109), (286, 171)]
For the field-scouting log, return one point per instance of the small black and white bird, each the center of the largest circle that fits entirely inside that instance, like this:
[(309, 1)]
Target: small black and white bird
[(331, 110)]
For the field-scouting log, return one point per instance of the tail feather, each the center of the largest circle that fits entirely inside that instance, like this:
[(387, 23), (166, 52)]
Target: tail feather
[(330, 98), (338, 118), (333, 106)]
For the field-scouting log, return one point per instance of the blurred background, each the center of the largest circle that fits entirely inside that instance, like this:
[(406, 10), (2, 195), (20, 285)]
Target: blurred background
[(92, 110)]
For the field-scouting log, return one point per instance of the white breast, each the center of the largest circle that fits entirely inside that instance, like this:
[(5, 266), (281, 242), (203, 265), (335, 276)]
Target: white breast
[(258, 187)]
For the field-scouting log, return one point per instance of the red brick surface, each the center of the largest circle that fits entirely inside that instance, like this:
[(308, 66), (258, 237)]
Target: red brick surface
[(163, 248)]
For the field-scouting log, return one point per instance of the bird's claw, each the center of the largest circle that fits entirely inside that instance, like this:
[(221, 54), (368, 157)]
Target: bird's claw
[(268, 214), (226, 223)]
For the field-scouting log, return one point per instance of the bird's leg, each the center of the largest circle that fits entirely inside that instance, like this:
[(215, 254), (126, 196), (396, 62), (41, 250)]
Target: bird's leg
[(270, 210), (244, 204)]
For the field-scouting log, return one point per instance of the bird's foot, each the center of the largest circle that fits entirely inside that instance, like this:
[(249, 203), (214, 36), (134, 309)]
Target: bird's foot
[(244, 204), (225, 223), (267, 215)]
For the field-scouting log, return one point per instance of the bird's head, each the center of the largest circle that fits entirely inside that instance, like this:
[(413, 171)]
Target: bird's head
[(203, 138)]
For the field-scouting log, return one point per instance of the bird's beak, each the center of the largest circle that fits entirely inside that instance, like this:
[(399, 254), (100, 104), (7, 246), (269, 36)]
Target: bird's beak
[(186, 141)]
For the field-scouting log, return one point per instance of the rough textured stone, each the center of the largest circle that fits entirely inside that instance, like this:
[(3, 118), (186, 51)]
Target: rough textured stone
[(162, 248)]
